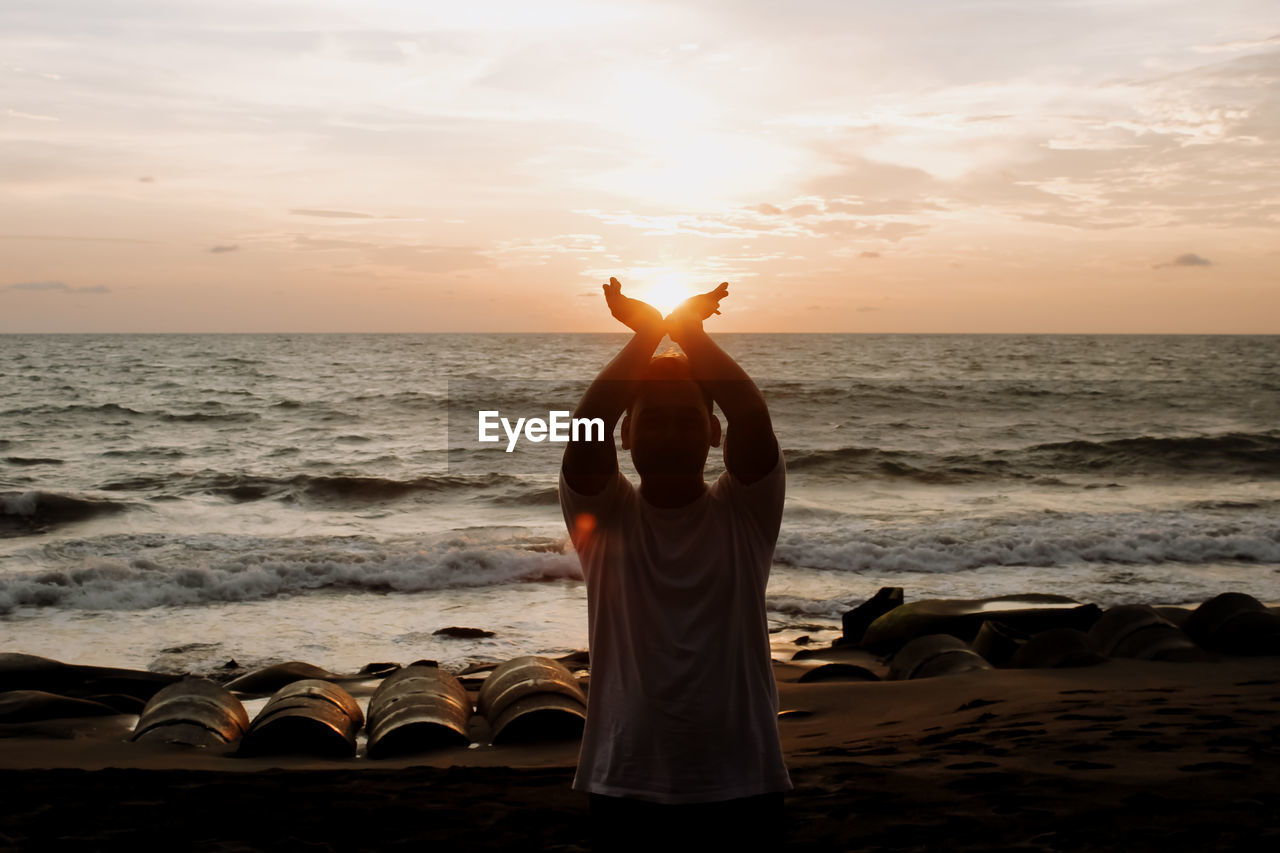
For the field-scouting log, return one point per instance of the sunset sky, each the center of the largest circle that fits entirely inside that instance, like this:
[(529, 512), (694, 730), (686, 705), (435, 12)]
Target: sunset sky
[(411, 165)]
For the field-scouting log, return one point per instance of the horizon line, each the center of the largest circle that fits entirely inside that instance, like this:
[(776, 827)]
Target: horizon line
[(619, 333)]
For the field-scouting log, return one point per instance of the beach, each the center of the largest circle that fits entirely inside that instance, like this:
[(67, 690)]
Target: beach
[(1127, 755)]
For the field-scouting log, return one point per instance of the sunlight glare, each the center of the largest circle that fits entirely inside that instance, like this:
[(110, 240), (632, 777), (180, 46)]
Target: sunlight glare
[(666, 292)]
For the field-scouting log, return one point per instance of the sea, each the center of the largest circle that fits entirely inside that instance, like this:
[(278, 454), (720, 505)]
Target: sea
[(176, 502)]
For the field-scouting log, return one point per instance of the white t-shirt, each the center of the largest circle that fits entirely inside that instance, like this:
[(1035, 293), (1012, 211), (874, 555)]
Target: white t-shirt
[(682, 706)]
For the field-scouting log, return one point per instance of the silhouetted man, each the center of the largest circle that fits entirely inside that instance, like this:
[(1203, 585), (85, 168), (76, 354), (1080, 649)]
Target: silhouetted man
[(681, 741)]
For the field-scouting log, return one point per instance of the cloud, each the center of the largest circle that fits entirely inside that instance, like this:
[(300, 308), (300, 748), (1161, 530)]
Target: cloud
[(558, 244), (32, 116), (1241, 44), (868, 254), (55, 287), (332, 214), (1190, 259), (72, 238), (413, 257), (771, 209), (218, 250), (146, 179), (39, 285)]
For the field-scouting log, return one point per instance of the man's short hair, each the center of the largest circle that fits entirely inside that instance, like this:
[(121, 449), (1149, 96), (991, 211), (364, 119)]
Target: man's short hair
[(672, 366)]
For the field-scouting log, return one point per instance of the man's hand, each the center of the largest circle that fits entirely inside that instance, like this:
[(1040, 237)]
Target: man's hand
[(632, 313), (690, 313)]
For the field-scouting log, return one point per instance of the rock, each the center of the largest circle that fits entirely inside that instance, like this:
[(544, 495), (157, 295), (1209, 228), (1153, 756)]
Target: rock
[(458, 633), (269, 679), (31, 672), (1176, 615), (478, 666), (378, 670), (580, 658), (25, 706), (123, 703), (272, 678), (855, 621), (1235, 623), (963, 618), (838, 672)]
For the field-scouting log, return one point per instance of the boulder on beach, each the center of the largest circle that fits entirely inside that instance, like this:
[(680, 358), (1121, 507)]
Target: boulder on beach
[(854, 622), (271, 678), (1235, 623), (32, 672), (837, 672), (460, 633), (25, 706), (963, 618)]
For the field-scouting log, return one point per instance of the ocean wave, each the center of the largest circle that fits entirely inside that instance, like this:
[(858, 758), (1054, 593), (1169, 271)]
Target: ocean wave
[(309, 488), (414, 399), (140, 572), (125, 411), (1229, 454), (146, 453), (33, 511), (1235, 452), (1040, 541), (32, 460), (793, 605), (208, 417), (529, 496), (876, 463), (73, 409)]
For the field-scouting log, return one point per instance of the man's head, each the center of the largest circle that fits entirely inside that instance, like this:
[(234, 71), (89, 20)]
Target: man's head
[(670, 425)]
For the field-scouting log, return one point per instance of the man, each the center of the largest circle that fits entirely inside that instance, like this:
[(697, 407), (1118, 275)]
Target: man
[(681, 740)]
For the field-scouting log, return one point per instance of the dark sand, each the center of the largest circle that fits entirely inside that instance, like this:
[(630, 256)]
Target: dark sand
[(1126, 756)]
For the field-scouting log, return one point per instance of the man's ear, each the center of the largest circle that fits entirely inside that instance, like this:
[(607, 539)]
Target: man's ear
[(626, 431), (715, 431)]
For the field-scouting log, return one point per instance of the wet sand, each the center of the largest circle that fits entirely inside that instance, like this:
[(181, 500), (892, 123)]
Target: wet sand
[(1127, 755)]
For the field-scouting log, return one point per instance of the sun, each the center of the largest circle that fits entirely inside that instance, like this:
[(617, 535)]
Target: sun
[(665, 292)]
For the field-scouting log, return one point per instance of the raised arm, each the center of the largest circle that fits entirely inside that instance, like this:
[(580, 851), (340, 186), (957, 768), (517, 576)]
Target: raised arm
[(589, 466), (750, 448)]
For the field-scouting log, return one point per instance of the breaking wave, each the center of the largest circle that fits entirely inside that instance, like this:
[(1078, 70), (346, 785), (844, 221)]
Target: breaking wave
[(137, 572)]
